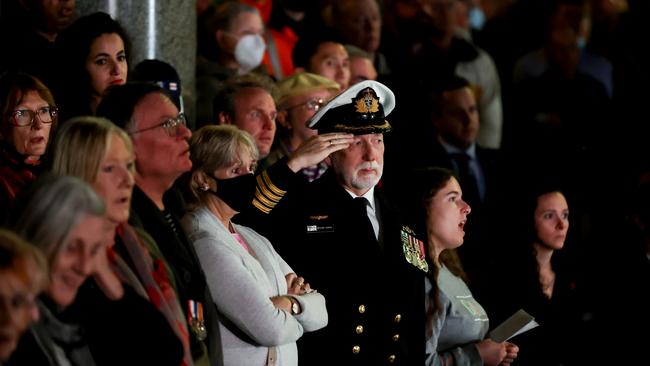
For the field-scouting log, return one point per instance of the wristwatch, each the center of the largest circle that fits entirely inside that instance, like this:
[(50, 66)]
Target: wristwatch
[(295, 306)]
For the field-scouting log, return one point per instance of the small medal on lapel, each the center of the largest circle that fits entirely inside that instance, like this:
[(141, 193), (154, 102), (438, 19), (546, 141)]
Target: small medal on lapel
[(196, 321), (413, 249)]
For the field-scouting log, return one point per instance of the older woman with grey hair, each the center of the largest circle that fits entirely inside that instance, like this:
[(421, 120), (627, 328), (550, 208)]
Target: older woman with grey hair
[(265, 306), (83, 322), (101, 153), (66, 220)]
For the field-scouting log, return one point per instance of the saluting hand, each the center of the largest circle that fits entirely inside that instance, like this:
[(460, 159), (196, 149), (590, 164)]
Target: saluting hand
[(317, 148)]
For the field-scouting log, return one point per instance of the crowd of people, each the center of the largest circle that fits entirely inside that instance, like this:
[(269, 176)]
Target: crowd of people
[(360, 182)]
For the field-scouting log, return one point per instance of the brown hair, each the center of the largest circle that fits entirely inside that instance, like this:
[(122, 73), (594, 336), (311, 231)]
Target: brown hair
[(217, 18), (23, 259), (14, 86), (226, 98), (431, 181)]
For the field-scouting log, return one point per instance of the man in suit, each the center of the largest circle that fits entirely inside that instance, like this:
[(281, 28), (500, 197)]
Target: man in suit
[(159, 134), (344, 236), (453, 145)]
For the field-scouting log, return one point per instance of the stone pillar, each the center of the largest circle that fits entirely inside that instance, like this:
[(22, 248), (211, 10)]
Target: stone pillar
[(158, 29)]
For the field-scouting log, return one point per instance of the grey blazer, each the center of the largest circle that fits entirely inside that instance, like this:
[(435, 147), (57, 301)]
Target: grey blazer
[(242, 286)]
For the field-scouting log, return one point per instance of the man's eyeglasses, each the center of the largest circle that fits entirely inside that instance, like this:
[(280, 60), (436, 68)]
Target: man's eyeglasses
[(312, 104), (27, 117), (171, 126)]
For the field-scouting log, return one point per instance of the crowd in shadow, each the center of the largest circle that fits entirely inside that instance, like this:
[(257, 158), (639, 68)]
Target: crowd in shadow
[(390, 179)]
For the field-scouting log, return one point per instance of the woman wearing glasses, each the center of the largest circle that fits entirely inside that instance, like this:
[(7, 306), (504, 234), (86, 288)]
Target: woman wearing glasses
[(28, 116), (300, 97)]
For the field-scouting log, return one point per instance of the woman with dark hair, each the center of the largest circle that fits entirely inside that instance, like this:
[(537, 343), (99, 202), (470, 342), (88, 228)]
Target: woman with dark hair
[(27, 116), (91, 55), (456, 323), (541, 279)]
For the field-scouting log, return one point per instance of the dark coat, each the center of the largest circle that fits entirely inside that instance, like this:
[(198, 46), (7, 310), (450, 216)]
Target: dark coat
[(477, 252), (180, 254), (560, 317), (97, 331), (375, 298), (15, 175)]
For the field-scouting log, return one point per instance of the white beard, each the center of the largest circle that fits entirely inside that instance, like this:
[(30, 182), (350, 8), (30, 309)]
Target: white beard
[(369, 181)]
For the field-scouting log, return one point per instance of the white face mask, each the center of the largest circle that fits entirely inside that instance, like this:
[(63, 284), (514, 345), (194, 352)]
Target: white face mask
[(250, 51), (476, 18)]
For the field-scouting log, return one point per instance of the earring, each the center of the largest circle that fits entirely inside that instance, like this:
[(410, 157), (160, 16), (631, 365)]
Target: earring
[(205, 188)]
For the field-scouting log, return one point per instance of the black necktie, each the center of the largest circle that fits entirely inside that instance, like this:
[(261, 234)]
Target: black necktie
[(361, 205), (467, 180)]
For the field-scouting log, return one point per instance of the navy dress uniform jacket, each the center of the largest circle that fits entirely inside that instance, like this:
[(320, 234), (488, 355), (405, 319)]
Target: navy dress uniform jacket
[(374, 297)]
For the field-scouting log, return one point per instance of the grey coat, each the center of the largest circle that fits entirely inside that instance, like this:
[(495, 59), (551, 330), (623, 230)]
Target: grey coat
[(242, 286)]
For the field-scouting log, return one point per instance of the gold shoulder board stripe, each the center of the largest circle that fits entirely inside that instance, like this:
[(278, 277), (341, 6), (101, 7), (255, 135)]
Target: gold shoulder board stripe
[(266, 192), (272, 186), (265, 201), (261, 207)]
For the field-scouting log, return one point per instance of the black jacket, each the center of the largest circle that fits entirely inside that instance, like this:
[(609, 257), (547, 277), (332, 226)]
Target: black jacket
[(374, 297)]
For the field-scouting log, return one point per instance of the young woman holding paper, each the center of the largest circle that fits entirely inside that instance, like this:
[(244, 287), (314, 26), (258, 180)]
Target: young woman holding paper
[(456, 322)]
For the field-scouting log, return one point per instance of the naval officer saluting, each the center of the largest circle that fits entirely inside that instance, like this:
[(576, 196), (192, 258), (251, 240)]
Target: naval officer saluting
[(348, 240)]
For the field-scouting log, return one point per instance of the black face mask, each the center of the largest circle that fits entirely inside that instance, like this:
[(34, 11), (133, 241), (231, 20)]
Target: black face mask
[(237, 192)]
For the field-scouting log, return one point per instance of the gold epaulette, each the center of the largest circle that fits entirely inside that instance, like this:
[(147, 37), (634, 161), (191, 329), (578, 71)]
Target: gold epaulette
[(267, 194)]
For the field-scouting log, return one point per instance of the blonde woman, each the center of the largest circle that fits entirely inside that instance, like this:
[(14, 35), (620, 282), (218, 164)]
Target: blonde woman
[(265, 306), (101, 153)]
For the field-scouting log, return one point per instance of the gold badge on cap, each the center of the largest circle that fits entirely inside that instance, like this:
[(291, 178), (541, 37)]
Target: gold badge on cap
[(368, 103), (414, 249)]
